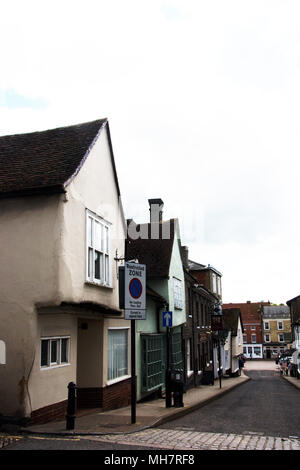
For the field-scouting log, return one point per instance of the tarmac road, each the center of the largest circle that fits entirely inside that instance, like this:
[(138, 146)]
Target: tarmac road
[(265, 405)]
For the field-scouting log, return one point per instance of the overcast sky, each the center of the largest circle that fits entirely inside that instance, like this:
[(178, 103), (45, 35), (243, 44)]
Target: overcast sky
[(203, 103)]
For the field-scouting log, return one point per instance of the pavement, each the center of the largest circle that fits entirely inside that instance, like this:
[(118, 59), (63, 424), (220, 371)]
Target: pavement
[(292, 380), (149, 414)]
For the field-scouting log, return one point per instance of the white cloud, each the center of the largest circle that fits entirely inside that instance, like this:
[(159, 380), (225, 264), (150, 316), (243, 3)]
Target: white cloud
[(203, 103)]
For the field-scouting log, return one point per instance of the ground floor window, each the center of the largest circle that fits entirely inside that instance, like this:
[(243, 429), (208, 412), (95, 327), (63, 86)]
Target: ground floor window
[(55, 351), (117, 353), (253, 352)]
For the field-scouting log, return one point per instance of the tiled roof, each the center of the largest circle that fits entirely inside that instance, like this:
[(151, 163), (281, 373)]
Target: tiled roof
[(44, 161), (276, 311), (155, 253)]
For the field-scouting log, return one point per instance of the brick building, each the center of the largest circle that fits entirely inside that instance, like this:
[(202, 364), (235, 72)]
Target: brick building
[(252, 321), (197, 332), (276, 327)]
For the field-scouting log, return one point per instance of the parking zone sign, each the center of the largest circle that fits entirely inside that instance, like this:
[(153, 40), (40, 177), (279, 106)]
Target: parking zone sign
[(135, 291)]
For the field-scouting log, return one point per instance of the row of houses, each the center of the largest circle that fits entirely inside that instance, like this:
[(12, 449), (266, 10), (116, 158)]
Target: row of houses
[(267, 329), (63, 238)]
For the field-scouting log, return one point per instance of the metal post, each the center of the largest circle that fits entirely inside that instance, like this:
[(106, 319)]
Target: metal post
[(71, 406), (168, 373), (133, 381), (219, 360)]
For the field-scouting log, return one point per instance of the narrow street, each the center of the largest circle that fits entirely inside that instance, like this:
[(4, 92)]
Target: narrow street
[(263, 413), (266, 404)]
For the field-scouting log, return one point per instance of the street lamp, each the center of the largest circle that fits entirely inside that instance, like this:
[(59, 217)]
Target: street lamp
[(219, 334)]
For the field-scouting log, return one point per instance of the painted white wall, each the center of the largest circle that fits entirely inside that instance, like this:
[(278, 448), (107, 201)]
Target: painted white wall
[(43, 264)]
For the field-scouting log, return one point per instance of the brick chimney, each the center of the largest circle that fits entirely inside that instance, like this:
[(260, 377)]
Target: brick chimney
[(156, 210)]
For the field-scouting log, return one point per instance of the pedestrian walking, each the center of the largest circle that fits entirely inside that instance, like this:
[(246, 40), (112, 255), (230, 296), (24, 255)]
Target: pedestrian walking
[(281, 365)]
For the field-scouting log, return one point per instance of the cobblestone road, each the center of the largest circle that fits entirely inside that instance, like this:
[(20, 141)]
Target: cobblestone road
[(193, 440)]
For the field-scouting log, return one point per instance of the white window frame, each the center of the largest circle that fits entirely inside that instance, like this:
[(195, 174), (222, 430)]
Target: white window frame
[(253, 342), (125, 376), (58, 362), (267, 338), (219, 285), (267, 327), (214, 283), (253, 328), (177, 293), (103, 249), (278, 323)]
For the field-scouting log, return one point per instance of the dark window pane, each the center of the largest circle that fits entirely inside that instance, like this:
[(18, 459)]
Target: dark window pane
[(64, 350), (97, 265), (44, 352), (53, 351)]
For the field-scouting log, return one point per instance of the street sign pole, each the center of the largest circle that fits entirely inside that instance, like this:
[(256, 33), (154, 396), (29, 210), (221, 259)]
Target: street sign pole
[(133, 381), (135, 309), (168, 372)]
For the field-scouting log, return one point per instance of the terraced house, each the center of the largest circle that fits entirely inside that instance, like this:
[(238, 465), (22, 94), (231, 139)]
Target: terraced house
[(276, 328), (61, 223)]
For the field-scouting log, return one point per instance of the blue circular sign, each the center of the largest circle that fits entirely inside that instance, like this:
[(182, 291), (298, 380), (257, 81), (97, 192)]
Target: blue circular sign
[(135, 288)]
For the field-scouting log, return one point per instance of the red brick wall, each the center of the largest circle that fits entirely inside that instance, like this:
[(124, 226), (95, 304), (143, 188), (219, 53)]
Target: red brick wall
[(89, 397), (202, 277), (114, 396), (49, 413), (107, 398), (251, 316)]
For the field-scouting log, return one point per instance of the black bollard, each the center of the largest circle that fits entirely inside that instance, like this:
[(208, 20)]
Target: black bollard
[(71, 406)]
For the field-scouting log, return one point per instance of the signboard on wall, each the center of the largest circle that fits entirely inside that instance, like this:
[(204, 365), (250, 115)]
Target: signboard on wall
[(217, 322)]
